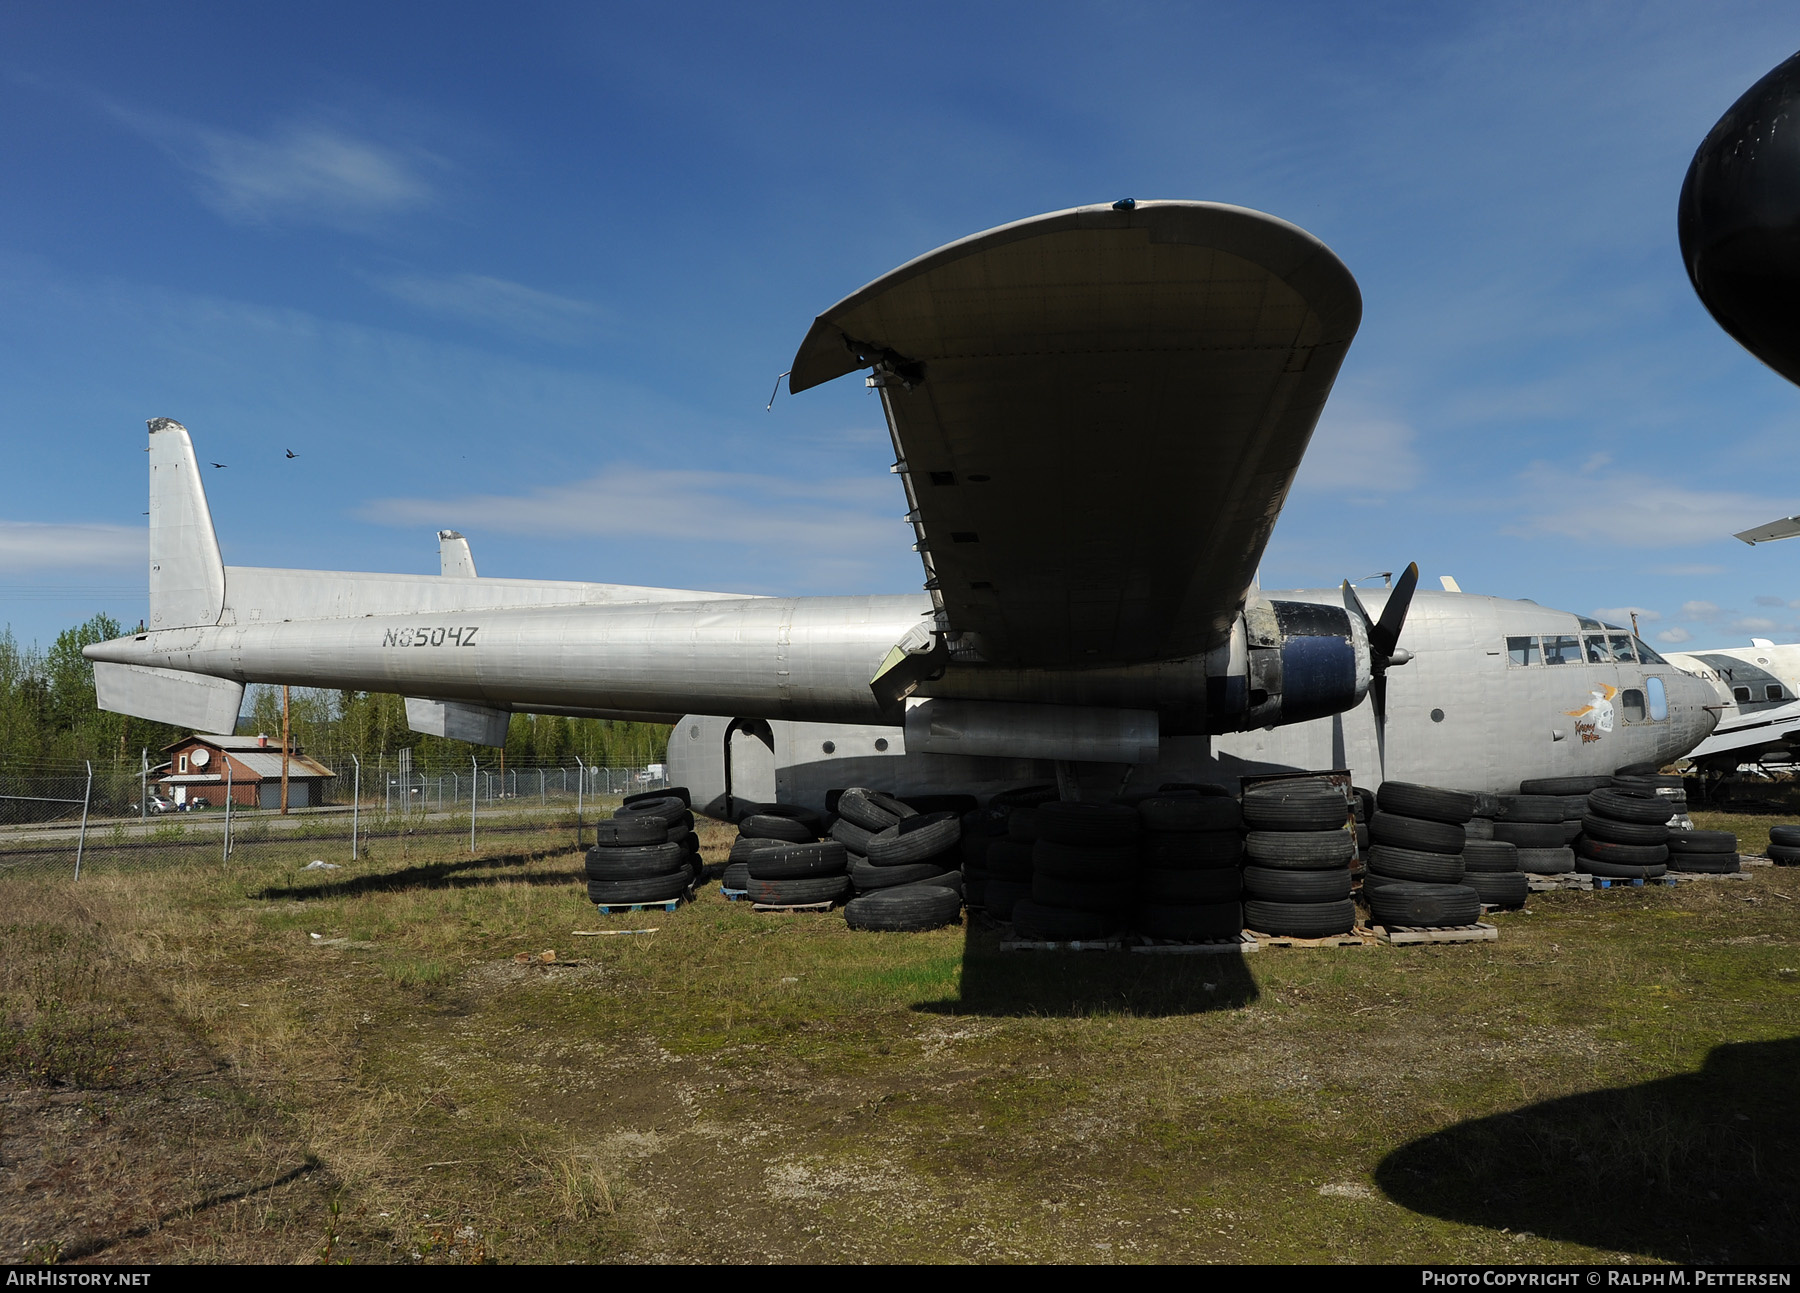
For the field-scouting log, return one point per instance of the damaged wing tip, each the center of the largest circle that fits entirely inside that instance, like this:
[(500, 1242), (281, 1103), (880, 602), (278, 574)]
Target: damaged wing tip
[(164, 424)]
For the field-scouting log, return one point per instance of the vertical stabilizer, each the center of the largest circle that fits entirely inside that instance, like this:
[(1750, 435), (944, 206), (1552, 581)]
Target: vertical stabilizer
[(187, 574), (454, 558)]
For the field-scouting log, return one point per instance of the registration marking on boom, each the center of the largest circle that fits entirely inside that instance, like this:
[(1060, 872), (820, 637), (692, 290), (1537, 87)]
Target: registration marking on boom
[(436, 636)]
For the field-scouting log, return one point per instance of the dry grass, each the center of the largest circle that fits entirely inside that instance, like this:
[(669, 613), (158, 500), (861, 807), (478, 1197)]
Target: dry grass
[(192, 1075)]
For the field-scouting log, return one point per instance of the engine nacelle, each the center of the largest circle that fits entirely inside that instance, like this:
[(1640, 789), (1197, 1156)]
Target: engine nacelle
[(1287, 662)]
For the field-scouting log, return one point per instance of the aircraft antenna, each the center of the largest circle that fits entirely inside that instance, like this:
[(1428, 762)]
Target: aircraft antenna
[(777, 391)]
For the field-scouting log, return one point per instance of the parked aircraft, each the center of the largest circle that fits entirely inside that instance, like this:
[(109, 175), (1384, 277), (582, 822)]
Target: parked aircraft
[(1096, 415), (1759, 703)]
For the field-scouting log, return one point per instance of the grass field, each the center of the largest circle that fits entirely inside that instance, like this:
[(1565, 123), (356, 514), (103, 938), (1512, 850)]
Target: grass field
[(189, 1074)]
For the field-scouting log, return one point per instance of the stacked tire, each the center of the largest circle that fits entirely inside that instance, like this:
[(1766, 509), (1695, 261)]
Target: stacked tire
[(1543, 821), (1417, 869), (1625, 834), (1669, 787), (1784, 845), (765, 828), (1297, 857), (1706, 852), (1008, 861), (1189, 849), (646, 853), (1084, 867), (905, 866)]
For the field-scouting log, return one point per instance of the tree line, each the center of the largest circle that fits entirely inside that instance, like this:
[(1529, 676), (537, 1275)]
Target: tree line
[(50, 719)]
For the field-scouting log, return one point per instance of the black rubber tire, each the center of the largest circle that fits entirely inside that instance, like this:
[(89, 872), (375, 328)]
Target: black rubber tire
[(1533, 808), (1407, 799), (1620, 870), (1709, 863), (768, 826), (1630, 806), (888, 804), (1362, 803), (1064, 822), (1423, 906), (1002, 894), (689, 841), (1411, 864), (1650, 780), (667, 809), (1084, 895), (625, 893), (852, 836), (1275, 884), (1009, 860), (1606, 829), (1785, 835), (736, 875), (1571, 831), (671, 792), (1034, 920), (925, 805), (1622, 854), (1300, 850), (1558, 861), (1295, 806), (1531, 835), (1362, 837), (1489, 857), (1021, 825), (1784, 854), (1702, 841), (935, 834), (1300, 919), (1186, 814), (1200, 849), (742, 850), (797, 861), (1084, 862), (1563, 785), (867, 877), (643, 861), (801, 892), (1499, 888), (626, 832), (857, 806), (1197, 888), (906, 909), (1193, 924), (1478, 828), (1417, 833)]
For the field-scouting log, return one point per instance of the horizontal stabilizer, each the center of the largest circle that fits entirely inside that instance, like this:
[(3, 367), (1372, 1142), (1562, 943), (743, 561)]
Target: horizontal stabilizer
[(191, 700), (1785, 528), (457, 720)]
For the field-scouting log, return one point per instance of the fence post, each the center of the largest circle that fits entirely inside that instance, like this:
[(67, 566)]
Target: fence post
[(144, 787), (543, 793), (86, 795), (355, 803), (225, 853), (474, 798), (580, 785)]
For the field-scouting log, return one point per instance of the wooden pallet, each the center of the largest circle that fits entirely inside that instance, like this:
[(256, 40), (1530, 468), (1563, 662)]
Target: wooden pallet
[(1403, 936), (620, 909), (733, 895), (1062, 945), (793, 906), (1631, 882), (1754, 859), (1148, 946), (1356, 938), (1579, 880), (1683, 877)]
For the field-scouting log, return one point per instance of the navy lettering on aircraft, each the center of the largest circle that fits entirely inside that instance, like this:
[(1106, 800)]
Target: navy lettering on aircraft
[(435, 636)]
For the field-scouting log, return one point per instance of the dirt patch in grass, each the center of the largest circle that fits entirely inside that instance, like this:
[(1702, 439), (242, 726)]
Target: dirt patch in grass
[(265, 1064)]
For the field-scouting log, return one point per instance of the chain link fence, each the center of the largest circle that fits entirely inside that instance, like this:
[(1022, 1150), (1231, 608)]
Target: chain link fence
[(72, 821)]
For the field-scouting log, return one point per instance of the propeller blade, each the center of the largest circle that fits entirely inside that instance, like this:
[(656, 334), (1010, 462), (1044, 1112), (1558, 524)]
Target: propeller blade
[(1386, 635), (1353, 604)]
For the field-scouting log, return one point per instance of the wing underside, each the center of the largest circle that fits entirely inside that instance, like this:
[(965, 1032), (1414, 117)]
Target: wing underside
[(1098, 414)]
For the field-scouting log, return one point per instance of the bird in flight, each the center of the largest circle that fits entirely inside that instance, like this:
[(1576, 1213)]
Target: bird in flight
[(218, 464), (292, 454)]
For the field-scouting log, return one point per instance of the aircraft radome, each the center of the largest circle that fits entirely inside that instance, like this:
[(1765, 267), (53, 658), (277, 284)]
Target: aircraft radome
[(1096, 416)]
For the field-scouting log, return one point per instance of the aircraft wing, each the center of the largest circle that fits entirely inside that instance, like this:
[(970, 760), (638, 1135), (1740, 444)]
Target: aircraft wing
[(1098, 413), (1785, 528), (1749, 731)]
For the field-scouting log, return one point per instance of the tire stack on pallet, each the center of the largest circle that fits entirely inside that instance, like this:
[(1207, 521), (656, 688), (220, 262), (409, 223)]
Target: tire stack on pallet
[(1298, 853), (767, 827), (1189, 886), (1784, 845), (1416, 866), (1706, 852), (1084, 867), (1667, 786), (1009, 861), (674, 809), (642, 855), (905, 866), (1543, 821), (1625, 834)]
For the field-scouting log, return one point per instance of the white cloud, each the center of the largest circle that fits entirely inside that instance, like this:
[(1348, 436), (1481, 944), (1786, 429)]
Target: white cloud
[(1753, 624), (1698, 611), (1357, 449), (1766, 600), (496, 302), (1674, 637), (830, 519), (1623, 614), (297, 174), (29, 547), (1629, 510)]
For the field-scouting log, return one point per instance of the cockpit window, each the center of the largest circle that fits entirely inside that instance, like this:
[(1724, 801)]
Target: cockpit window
[(1621, 647), (1659, 699), (1645, 655), (1594, 646), (1522, 650), (1631, 702), (1565, 649)]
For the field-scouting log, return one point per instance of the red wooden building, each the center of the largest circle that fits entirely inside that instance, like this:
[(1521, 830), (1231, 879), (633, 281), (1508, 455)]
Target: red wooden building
[(202, 766)]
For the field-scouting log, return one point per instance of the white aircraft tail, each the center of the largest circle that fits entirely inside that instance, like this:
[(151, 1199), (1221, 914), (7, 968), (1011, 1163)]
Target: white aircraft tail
[(187, 574)]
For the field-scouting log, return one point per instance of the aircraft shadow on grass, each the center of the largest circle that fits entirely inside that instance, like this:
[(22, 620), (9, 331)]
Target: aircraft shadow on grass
[(435, 875), (1080, 984), (1698, 1167)]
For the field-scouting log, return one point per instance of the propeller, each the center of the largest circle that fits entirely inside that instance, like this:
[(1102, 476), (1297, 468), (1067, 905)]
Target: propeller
[(1384, 649)]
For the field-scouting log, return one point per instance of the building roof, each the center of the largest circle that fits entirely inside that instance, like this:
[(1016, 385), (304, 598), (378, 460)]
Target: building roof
[(264, 765), (233, 743)]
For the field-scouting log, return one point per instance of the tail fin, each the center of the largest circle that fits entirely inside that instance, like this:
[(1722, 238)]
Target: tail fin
[(187, 574), (454, 557)]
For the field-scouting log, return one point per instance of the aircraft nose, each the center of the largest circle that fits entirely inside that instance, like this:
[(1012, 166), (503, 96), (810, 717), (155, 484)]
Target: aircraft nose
[(1691, 720)]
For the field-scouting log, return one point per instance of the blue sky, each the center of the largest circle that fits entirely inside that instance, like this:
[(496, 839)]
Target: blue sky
[(530, 273)]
